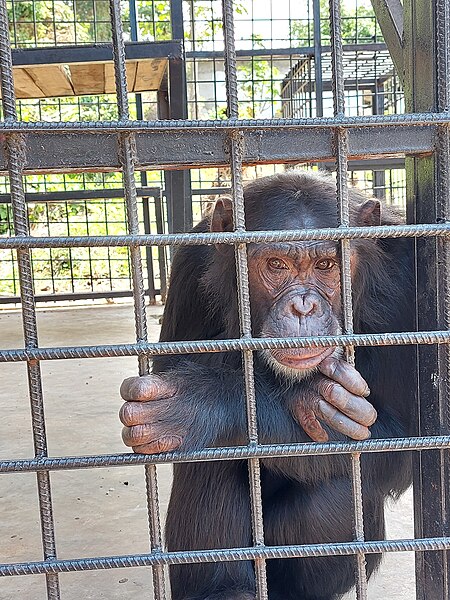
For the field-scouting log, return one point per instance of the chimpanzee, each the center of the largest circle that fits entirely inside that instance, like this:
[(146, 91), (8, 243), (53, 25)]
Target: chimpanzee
[(197, 401)]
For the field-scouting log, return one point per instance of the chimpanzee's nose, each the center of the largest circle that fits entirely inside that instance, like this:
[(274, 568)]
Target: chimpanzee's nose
[(304, 305)]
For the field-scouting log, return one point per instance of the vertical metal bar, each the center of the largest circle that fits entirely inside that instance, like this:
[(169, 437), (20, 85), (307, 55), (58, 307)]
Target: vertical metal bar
[(134, 34), (161, 249), (443, 215), (16, 156), (151, 291), (127, 151), (426, 63), (346, 282), (318, 58), (236, 147), (180, 181), (379, 177)]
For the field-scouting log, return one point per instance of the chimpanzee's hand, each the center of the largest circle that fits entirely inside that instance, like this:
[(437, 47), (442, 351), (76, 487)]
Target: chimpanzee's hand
[(151, 414), (336, 396)]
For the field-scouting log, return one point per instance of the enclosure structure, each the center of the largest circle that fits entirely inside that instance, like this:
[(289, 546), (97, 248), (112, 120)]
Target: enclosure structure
[(371, 87), (60, 46), (422, 135), (54, 79)]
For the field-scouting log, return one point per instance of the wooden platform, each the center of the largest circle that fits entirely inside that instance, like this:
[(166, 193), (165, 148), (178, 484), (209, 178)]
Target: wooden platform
[(89, 70)]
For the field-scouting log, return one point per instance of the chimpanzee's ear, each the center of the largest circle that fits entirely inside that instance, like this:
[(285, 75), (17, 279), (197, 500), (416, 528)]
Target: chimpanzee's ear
[(369, 214), (222, 216)]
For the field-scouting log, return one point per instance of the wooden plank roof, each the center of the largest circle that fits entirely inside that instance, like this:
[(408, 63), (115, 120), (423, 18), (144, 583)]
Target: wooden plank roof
[(89, 70)]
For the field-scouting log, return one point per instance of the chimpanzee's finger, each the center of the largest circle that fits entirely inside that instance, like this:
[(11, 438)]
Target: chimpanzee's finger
[(342, 372), (356, 408), (342, 423), (164, 444), (140, 413), (145, 388), (311, 425), (139, 435)]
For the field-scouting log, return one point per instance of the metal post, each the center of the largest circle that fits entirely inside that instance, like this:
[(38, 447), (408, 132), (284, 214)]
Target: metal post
[(16, 158), (134, 31), (426, 71), (127, 159), (236, 152), (341, 142), (178, 183), (379, 177), (318, 58)]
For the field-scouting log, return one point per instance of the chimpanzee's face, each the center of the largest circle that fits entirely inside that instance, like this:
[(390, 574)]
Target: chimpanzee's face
[(295, 292)]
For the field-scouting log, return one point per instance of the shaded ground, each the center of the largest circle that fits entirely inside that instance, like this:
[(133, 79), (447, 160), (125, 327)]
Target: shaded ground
[(101, 512)]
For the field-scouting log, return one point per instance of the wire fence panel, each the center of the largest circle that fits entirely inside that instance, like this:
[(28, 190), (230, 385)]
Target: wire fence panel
[(238, 142)]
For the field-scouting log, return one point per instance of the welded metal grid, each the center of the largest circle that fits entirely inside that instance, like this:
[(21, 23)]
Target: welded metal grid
[(342, 129)]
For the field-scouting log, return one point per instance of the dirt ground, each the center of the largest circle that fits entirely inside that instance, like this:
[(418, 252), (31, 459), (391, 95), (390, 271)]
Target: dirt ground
[(102, 512)]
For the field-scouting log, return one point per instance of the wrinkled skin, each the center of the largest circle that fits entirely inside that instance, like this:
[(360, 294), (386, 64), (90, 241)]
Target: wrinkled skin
[(154, 406), (295, 291), (196, 401)]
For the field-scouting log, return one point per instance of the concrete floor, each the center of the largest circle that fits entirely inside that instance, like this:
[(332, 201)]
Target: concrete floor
[(101, 512)]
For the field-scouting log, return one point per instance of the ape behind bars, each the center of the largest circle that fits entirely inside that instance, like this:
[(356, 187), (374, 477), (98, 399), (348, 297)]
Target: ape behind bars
[(197, 401)]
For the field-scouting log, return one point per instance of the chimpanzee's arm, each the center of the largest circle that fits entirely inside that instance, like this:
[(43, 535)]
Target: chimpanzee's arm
[(196, 406)]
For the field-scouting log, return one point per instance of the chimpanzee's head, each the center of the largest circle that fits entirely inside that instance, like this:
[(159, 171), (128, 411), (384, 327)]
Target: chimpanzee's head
[(295, 286)]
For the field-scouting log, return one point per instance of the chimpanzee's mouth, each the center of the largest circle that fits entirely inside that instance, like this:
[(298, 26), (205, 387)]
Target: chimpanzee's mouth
[(301, 358)]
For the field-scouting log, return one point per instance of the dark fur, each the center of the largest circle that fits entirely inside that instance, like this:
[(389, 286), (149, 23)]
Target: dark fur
[(306, 500)]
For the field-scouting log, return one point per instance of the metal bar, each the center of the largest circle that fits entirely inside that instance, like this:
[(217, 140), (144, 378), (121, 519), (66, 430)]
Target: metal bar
[(67, 195), (15, 155), (145, 200), (389, 15), (234, 453), (423, 204), (412, 119), (151, 290), (126, 149), (233, 554), (378, 173), (159, 216), (235, 237), (186, 148), (194, 347), (346, 282), (282, 52), (73, 296), (88, 53), (245, 324), (318, 58), (179, 182), (442, 25)]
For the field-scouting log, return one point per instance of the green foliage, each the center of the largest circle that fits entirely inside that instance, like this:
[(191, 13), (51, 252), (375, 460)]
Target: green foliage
[(58, 22), (359, 25), (5, 219)]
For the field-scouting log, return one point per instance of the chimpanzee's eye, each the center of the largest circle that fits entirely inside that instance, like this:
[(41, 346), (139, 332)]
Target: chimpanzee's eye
[(326, 264), (277, 263)]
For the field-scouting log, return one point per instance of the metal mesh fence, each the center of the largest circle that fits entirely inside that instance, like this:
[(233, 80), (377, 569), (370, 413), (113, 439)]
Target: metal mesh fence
[(272, 53), (131, 145)]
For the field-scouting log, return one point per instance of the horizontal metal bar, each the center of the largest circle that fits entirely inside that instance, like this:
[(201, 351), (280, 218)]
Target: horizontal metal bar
[(75, 296), (67, 463), (198, 147), (198, 347), (68, 195), (371, 164), (201, 239), (228, 555), (348, 122), (275, 53), (208, 191), (88, 53)]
